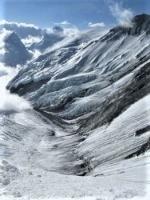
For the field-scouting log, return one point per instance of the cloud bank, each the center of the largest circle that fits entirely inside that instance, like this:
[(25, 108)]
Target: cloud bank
[(10, 102), (3, 34), (22, 29), (4, 22)]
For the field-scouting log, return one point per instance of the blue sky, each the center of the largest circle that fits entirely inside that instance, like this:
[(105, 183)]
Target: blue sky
[(79, 12)]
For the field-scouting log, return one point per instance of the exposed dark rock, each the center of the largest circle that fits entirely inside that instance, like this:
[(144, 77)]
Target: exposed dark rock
[(142, 131)]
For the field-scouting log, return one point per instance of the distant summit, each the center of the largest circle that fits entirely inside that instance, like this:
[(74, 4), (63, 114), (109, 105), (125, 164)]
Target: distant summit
[(139, 24), (15, 51)]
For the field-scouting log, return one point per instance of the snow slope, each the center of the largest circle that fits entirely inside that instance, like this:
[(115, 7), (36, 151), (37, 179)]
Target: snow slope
[(88, 134), (92, 85)]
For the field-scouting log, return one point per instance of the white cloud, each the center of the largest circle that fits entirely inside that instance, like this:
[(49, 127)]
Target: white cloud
[(30, 40), (3, 34), (23, 30), (5, 22), (10, 102), (123, 15), (65, 23), (93, 25), (69, 28), (66, 28), (71, 31)]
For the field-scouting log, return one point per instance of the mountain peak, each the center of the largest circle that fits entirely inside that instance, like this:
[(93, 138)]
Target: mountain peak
[(16, 52), (141, 23), (142, 18), (12, 37)]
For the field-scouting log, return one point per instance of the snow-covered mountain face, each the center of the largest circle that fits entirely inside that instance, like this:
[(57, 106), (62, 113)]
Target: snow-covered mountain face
[(97, 90)]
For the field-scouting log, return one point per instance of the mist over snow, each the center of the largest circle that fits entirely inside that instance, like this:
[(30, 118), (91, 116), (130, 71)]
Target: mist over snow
[(10, 102)]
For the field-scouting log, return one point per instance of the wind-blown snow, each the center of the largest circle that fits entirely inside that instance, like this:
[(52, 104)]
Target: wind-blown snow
[(123, 15)]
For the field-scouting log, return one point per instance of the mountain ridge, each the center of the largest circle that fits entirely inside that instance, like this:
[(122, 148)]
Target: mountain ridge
[(94, 85)]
